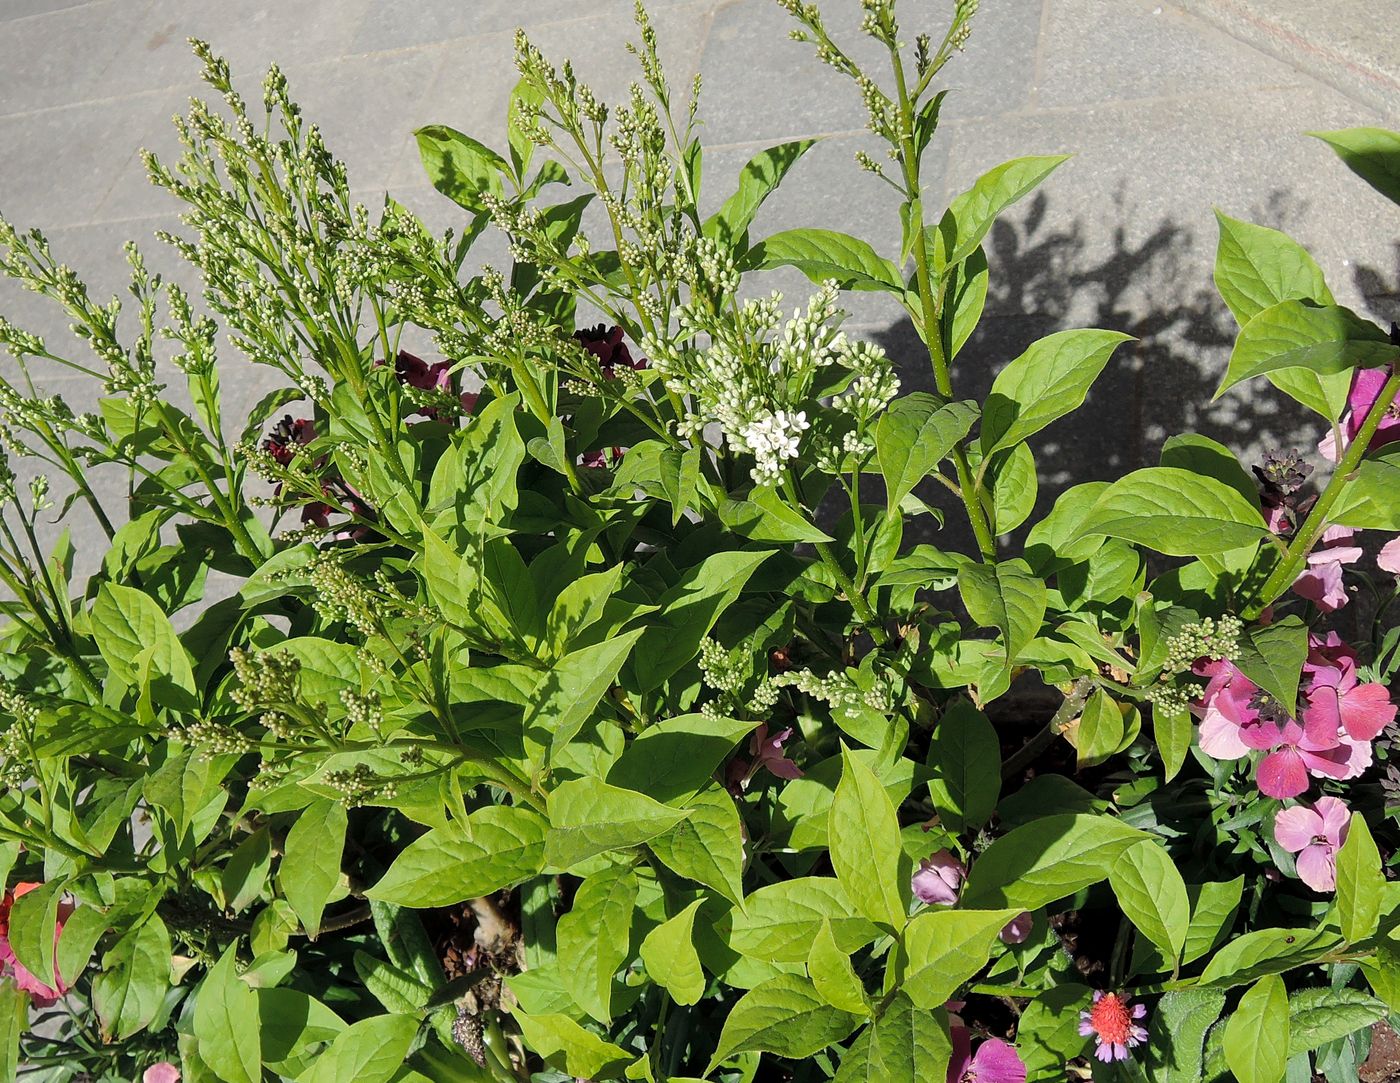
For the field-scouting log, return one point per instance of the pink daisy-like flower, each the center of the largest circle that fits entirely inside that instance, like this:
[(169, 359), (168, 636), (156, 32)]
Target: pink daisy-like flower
[(995, 1061), (938, 878), (1111, 1020), (1315, 835)]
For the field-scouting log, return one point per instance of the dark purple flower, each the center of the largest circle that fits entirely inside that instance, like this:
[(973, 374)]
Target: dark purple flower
[(605, 343)]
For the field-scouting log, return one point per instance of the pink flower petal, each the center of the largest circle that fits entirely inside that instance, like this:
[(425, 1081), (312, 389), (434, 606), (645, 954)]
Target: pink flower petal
[(1296, 827), (1282, 773), (1322, 585), (997, 1062), (1335, 817), (164, 1072), (1366, 710), (1388, 559), (1317, 867)]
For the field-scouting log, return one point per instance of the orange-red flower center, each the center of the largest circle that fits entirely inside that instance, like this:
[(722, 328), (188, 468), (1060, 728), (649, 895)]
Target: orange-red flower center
[(1110, 1019)]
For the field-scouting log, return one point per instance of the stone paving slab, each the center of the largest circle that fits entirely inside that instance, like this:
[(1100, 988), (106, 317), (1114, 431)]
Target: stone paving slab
[(1167, 112)]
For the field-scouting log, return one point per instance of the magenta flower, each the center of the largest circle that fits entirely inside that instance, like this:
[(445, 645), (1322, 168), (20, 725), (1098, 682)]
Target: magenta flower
[(1111, 1021), (1388, 559), (995, 1062), (1296, 755), (1321, 582), (1315, 835), (938, 878), (1017, 929), (1366, 388), (164, 1072), (1338, 702)]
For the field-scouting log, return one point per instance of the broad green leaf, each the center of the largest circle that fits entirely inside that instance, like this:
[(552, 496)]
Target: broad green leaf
[(226, 1024), (779, 922), (1257, 267), (675, 757), (1323, 395), (1014, 483), (1178, 1032), (1176, 512), (823, 254), (757, 181), (1272, 656), (459, 167), (913, 435), (866, 850), (593, 938), (1048, 1032), (1006, 596), (567, 1046), (1046, 382), (571, 690), (1257, 1034), (1212, 916), (81, 932), (784, 1016), (668, 952), (708, 845), (500, 846), (32, 920), (406, 942), (1267, 951), (1100, 731), (1373, 154), (946, 948), (397, 991), (1202, 455), (1325, 339), (14, 1021), (905, 1045), (588, 817), (125, 622), (1319, 1016), (832, 974), (245, 874), (134, 980), (965, 754), (1172, 731), (310, 866), (291, 1022), (970, 215), (764, 517), (1153, 895), (1046, 860), (1368, 501), (964, 301), (1360, 882), (369, 1051)]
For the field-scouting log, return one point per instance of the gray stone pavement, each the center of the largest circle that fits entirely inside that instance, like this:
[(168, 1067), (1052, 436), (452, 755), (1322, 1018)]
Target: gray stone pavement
[(1168, 116)]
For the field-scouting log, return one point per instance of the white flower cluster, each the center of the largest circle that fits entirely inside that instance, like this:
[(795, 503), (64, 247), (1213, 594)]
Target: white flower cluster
[(772, 440)]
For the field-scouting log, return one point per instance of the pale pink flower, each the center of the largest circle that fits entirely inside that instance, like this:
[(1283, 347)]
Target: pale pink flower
[(1388, 559), (1322, 581), (938, 878), (995, 1062), (164, 1072), (1315, 835), (1017, 929), (1111, 1020)]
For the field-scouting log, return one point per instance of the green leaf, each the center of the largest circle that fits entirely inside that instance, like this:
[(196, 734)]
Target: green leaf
[(866, 850), (593, 938), (245, 873), (1153, 895), (14, 1021), (913, 435), (134, 980), (459, 167), (311, 856), (1046, 860), (946, 948), (81, 932), (1368, 500), (1373, 154), (567, 1046), (1272, 656), (1257, 1034), (904, 1045), (1175, 512), (588, 817), (1266, 951), (32, 920), (126, 622), (1178, 1032), (1202, 455), (965, 753), (669, 954), (226, 1024), (1172, 731), (1257, 267), (1324, 339), (970, 215), (757, 181), (397, 991), (1014, 483), (369, 1051), (1046, 382), (964, 301), (785, 1016), (572, 689), (1048, 1032), (500, 846), (1360, 882), (823, 254), (779, 922), (708, 845), (674, 758), (1319, 1016), (832, 974), (291, 1022), (1101, 730), (1005, 596), (1212, 916)]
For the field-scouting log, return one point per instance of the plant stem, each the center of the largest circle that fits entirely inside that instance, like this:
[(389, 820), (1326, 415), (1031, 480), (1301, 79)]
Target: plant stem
[(1073, 704), (1292, 563)]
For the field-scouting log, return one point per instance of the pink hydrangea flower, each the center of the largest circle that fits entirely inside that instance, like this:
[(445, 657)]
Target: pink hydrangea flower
[(1017, 929), (1111, 1020), (1315, 835), (1338, 701), (995, 1061), (1388, 559), (1366, 388), (938, 878), (1322, 581), (42, 993), (164, 1072)]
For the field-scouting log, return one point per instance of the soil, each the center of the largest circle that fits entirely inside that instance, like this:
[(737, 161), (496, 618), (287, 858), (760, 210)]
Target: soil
[(1383, 1065)]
